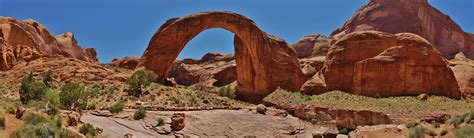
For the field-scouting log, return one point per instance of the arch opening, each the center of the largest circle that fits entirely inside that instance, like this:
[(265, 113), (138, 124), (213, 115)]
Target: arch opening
[(263, 62)]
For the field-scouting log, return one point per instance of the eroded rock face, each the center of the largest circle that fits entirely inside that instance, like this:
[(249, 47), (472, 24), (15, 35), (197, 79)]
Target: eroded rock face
[(312, 45), (218, 73), (26, 40), (463, 69), (129, 62), (373, 63), (414, 16), (264, 62)]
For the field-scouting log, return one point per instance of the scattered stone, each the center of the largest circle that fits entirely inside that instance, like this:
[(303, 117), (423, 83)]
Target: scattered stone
[(177, 121), (422, 97), (436, 117), (330, 134), (128, 135), (70, 118), (104, 113), (170, 82), (261, 109), (19, 112)]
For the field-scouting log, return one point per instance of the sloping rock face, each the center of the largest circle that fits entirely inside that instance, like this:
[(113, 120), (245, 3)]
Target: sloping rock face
[(312, 45), (216, 56), (414, 16), (28, 40), (129, 62), (264, 62), (463, 69), (373, 63)]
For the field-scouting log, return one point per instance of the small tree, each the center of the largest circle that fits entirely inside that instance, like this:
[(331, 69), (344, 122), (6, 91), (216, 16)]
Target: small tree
[(30, 89), (48, 78), (140, 80)]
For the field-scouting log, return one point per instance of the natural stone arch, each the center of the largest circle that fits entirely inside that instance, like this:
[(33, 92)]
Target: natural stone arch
[(264, 62)]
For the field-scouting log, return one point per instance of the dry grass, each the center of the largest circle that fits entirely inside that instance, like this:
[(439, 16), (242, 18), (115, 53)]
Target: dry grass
[(390, 105)]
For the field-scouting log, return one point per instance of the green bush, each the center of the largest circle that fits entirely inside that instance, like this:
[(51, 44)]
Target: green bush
[(73, 95), (415, 132), (227, 91), (411, 124), (53, 101), (344, 131), (455, 121), (48, 78), (34, 119), (139, 114), (161, 121), (467, 117), (443, 132), (88, 130), (117, 107), (140, 80), (30, 89)]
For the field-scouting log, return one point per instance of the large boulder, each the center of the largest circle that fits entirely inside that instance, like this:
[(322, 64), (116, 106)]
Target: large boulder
[(129, 62), (373, 63), (23, 41), (312, 45), (463, 69), (413, 16), (264, 62)]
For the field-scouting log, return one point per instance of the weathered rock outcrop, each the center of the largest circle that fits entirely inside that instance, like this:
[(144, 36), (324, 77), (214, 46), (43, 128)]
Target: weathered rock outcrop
[(264, 62), (463, 69), (216, 56), (373, 63), (28, 40), (414, 16), (312, 45), (129, 62), (219, 73)]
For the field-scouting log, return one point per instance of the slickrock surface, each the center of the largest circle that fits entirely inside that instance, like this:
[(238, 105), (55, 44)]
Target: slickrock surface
[(312, 45)]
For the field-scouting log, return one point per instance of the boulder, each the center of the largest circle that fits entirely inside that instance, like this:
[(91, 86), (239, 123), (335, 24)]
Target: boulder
[(264, 62), (422, 96), (216, 56), (261, 109), (177, 121), (312, 45), (23, 41), (412, 16), (314, 86), (70, 118), (130, 62), (374, 63)]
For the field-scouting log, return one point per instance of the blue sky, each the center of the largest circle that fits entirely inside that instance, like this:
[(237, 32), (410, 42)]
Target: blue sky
[(118, 28)]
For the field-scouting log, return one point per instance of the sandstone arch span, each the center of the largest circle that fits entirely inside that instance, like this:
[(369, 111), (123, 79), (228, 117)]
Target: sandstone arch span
[(264, 62)]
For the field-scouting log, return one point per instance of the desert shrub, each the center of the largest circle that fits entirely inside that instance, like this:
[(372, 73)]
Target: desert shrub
[(411, 124), (88, 130), (30, 89), (53, 102), (74, 95), (415, 132), (467, 117), (48, 78), (429, 131), (345, 131), (139, 114), (117, 107), (40, 126), (34, 119), (139, 80), (227, 91), (160, 121), (455, 121), (465, 132)]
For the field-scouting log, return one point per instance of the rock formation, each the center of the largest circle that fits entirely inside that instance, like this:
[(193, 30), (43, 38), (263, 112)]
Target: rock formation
[(373, 63), (463, 69), (129, 62), (312, 45), (218, 73), (264, 62), (414, 16), (27, 40)]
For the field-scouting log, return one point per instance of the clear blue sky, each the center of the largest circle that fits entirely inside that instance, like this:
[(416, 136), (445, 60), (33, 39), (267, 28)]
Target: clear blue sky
[(118, 28)]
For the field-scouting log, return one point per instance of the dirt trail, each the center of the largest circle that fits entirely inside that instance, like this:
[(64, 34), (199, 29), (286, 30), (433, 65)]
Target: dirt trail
[(209, 123)]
